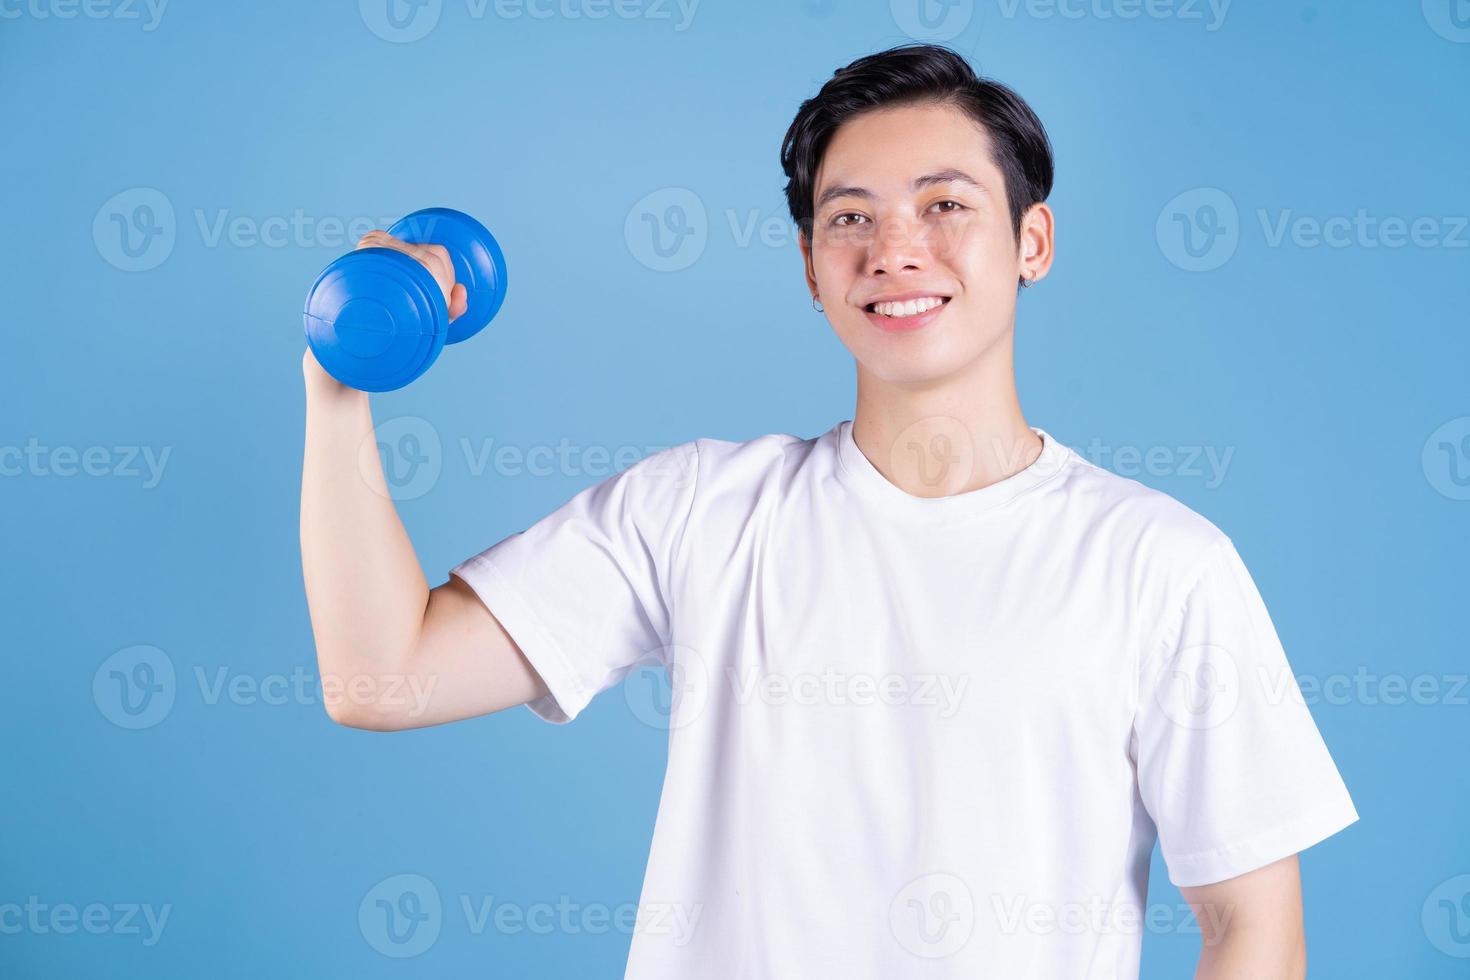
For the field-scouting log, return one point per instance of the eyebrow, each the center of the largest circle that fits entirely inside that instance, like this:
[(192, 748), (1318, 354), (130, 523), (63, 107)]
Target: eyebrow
[(949, 175)]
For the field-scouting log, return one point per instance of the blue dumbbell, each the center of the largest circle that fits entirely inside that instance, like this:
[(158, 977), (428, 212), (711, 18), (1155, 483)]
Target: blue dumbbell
[(376, 319)]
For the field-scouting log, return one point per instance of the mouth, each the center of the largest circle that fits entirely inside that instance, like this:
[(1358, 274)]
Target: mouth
[(907, 315)]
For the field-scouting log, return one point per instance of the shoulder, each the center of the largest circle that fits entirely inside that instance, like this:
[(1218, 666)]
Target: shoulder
[(732, 479), (1161, 531), (707, 467), (744, 464)]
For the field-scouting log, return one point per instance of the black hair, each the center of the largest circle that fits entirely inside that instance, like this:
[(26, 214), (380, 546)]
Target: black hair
[(919, 74)]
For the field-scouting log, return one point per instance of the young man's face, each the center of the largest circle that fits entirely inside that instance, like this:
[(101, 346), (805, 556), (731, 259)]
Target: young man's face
[(946, 238)]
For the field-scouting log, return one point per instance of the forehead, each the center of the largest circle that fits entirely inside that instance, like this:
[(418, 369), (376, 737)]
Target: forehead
[(885, 148)]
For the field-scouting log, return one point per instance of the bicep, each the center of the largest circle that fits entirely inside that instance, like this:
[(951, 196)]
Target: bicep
[(464, 665), (1253, 918)]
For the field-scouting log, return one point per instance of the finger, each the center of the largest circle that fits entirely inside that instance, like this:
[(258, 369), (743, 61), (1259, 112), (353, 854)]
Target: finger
[(441, 270), (376, 239), (459, 301), (441, 266)]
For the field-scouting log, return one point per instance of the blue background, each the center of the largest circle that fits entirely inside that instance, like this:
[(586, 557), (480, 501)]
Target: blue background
[(1328, 371)]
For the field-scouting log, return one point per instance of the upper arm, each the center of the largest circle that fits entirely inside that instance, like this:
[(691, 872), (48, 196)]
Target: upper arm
[(1251, 924), (464, 664), (581, 598), (1230, 764)]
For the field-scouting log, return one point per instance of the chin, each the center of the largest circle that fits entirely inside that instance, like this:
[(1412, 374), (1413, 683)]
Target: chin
[(912, 363)]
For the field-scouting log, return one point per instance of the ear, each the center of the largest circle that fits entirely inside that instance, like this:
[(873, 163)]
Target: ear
[(804, 243), (1037, 245)]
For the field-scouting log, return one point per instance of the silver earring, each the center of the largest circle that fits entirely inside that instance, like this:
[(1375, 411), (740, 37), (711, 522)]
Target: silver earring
[(1027, 283), (818, 306)]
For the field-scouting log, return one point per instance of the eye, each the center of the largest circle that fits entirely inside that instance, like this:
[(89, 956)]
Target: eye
[(848, 214), (957, 206)]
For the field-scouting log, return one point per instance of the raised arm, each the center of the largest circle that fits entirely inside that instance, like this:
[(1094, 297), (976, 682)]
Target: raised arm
[(393, 653)]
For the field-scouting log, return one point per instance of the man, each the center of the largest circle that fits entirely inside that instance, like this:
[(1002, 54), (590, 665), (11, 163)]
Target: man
[(941, 681)]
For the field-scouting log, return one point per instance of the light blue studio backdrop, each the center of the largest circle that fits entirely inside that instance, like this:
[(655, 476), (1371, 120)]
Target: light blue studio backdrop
[(1259, 307)]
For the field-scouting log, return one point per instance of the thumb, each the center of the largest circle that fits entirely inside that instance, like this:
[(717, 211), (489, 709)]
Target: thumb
[(459, 301)]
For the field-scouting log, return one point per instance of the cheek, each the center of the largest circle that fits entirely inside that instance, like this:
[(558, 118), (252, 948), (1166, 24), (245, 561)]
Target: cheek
[(970, 243), (834, 265)]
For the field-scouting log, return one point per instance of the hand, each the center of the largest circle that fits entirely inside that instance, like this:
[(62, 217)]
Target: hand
[(435, 258)]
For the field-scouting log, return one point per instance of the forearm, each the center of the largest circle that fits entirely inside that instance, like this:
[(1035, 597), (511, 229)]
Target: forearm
[(364, 587)]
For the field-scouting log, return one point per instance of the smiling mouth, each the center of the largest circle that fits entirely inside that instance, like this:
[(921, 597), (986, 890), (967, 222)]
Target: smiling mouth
[(900, 311)]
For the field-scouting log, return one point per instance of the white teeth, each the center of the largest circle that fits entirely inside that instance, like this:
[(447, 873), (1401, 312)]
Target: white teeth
[(911, 307)]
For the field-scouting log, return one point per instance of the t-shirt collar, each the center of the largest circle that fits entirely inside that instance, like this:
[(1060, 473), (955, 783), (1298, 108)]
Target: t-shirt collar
[(858, 472)]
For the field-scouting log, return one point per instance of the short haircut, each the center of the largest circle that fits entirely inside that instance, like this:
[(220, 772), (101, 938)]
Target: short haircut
[(910, 75)]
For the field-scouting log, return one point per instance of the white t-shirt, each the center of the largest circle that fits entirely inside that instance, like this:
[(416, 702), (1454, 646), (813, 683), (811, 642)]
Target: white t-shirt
[(919, 737)]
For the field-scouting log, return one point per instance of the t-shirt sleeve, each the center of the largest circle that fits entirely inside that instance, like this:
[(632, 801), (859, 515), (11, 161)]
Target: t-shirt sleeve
[(585, 591), (1230, 764)]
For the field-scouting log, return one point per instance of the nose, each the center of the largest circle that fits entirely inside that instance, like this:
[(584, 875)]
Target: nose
[(898, 245)]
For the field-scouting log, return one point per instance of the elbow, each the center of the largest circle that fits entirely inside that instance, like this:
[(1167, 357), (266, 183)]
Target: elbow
[(355, 699), (345, 714), (367, 717)]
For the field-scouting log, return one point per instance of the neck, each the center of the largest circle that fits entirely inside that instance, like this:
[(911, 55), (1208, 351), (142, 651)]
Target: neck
[(948, 435)]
